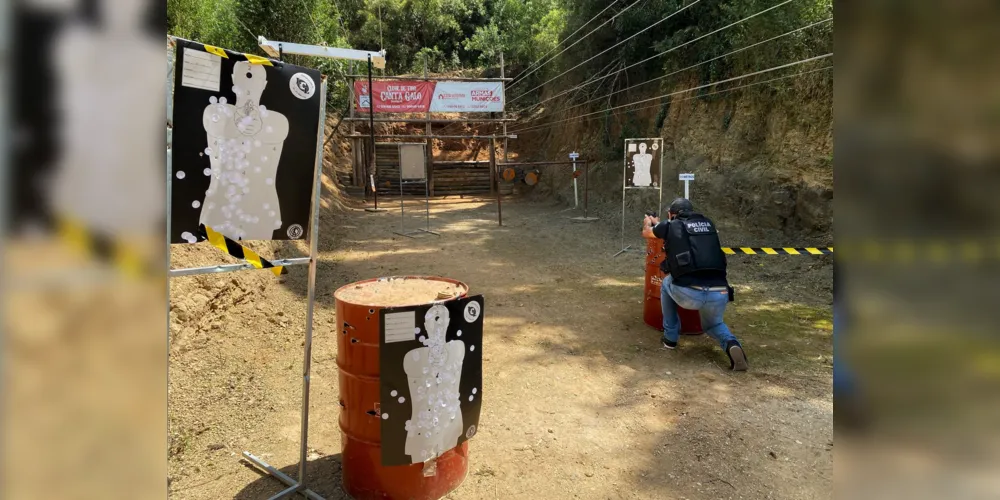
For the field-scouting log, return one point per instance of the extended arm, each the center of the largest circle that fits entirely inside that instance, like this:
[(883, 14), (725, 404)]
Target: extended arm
[(647, 226)]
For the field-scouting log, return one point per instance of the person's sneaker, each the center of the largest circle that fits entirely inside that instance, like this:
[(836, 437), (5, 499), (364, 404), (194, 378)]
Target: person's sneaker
[(669, 344), (737, 358)]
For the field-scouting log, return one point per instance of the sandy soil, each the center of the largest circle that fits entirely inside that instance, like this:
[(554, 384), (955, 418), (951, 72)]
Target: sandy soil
[(579, 399)]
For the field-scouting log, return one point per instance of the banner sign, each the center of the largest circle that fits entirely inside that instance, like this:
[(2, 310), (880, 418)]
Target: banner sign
[(400, 96), (395, 96)]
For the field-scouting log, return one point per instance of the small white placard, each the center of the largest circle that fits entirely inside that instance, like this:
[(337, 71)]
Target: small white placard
[(400, 327), (201, 70), (573, 156), (687, 177), (632, 147)]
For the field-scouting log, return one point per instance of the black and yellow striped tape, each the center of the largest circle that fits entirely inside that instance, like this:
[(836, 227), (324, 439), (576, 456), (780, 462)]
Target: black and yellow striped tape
[(228, 54), (232, 247), (104, 248), (778, 251)]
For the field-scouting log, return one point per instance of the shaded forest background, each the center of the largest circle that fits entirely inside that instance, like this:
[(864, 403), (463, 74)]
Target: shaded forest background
[(468, 35)]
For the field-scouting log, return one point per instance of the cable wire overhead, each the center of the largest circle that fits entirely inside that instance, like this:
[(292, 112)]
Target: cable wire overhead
[(748, 75), (651, 26), (571, 35), (697, 65), (665, 52)]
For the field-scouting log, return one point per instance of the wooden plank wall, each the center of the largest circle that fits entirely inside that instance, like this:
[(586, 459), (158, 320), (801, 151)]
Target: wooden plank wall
[(450, 178)]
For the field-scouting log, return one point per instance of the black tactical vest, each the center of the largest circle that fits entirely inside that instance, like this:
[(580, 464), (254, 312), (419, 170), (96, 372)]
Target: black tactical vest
[(692, 244)]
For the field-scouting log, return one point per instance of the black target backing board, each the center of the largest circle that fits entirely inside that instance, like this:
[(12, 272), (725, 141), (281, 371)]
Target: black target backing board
[(642, 163), (244, 145), (431, 370)]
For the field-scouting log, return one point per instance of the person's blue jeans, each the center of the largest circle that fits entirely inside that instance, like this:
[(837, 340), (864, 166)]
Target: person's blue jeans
[(710, 306)]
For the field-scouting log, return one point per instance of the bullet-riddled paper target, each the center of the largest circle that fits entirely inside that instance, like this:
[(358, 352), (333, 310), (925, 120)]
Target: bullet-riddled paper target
[(431, 370), (244, 145), (642, 163)]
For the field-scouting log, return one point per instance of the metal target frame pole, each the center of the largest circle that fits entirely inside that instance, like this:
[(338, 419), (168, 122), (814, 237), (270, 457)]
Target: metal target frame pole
[(427, 197), (294, 485), (659, 140)]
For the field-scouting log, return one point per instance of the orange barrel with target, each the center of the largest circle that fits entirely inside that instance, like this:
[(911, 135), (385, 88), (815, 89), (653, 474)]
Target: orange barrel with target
[(364, 477), (652, 311)]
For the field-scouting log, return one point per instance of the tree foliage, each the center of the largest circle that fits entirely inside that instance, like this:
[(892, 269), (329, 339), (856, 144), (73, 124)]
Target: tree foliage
[(470, 34)]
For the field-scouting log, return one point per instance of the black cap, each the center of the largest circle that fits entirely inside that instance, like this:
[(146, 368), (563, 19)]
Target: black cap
[(680, 205)]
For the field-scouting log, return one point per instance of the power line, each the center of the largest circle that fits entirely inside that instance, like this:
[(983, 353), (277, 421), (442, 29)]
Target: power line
[(793, 75), (651, 26), (801, 73), (665, 52), (698, 64), (748, 75), (526, 73)]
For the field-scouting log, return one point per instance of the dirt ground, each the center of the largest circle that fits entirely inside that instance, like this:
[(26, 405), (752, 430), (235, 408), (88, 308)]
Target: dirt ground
[(579, 400)]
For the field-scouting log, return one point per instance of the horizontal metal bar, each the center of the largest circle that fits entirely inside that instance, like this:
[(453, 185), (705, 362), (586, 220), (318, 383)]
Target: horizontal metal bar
[(432, 120), (433, 136), (277, 474), (540, 163), (431, 78), (227, 268), (274, 48)]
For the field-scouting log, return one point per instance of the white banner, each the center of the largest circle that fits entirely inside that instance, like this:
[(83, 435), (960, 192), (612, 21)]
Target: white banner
[(468, 97)]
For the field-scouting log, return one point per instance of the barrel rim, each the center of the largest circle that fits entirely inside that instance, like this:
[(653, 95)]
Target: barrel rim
[(465, 293)]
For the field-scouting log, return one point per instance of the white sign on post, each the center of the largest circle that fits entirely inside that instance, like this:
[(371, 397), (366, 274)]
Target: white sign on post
[(687, 178), (576, 198)]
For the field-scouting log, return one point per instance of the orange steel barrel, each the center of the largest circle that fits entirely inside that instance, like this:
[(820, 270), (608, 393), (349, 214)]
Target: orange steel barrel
[(364, 477), (652, 312)]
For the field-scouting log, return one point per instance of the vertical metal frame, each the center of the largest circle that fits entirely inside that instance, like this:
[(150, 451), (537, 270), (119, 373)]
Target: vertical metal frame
[(427, 197), (294, 485), (623, 248)]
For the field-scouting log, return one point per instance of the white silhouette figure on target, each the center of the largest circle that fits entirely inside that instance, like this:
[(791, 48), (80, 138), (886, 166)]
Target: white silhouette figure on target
[(433, 374), (642, 161), (244, 145)]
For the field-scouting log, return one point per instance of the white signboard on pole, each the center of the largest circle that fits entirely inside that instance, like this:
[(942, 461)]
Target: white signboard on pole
[(687, 178)]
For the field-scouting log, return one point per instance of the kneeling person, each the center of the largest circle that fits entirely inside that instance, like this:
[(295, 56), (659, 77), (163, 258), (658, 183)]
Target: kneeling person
[(696, 277)]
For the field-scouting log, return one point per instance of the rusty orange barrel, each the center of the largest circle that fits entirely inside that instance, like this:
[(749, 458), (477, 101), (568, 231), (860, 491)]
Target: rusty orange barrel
[(364, 477), (652, 312)]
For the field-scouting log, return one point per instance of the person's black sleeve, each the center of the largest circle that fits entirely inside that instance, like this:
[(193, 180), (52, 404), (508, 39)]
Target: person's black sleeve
[(660, 230)]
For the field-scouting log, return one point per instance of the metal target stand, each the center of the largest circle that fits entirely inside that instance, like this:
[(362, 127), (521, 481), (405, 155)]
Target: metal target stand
[(427, 196), (626, 187), (293, 485)]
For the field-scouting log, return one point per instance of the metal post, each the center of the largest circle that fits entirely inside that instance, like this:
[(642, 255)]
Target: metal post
[(427, 194), (371, 131), (687, 196), (576, 198), (659, 206), (624, 174), (402, 216), (496, 177), (429, 152), (311, 292), (358, 175), (504, 113)]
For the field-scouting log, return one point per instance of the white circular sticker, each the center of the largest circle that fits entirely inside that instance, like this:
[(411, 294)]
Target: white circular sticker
[(472, 310), (295, 231), (302, 86), (471, 432)]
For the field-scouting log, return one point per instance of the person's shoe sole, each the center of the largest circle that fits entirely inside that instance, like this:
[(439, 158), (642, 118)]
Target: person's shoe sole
[(667, 346), (739, 358)]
